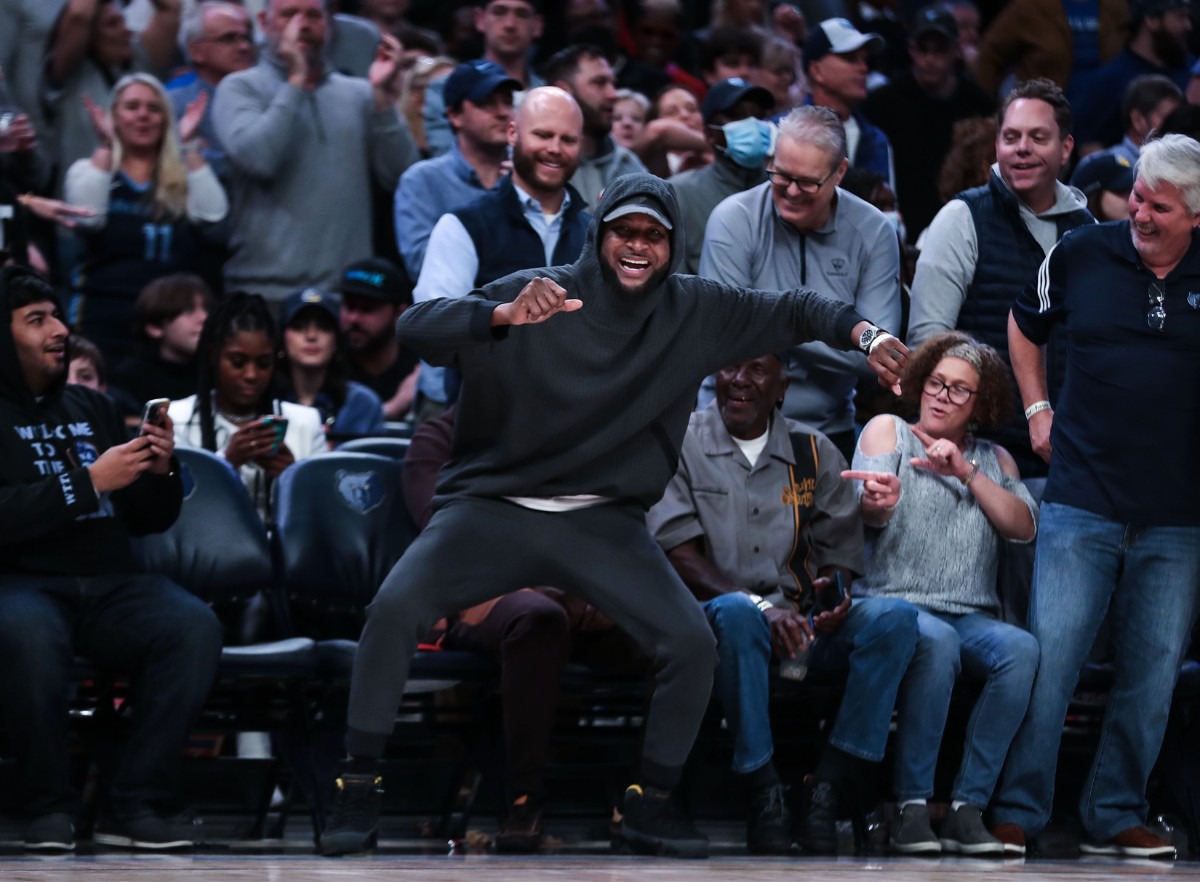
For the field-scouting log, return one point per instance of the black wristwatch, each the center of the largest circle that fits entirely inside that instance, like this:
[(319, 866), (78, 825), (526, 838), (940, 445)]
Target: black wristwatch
[(867, 337)]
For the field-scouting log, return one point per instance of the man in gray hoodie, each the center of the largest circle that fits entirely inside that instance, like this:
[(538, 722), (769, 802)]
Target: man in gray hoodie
[(568, 428), (303, 144)]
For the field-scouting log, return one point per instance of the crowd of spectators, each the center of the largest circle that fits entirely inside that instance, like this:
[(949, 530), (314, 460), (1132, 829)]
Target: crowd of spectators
[(235, 203)]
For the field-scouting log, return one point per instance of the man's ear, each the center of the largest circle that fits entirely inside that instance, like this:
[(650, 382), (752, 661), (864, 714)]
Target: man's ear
[(153, 331)]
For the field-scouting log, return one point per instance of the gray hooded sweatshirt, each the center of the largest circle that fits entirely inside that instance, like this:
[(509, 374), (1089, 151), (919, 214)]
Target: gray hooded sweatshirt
[(597, 401)]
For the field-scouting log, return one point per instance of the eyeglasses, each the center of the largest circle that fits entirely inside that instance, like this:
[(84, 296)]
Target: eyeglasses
[(956, 394), (1156, 315), (231, 39), (804, 185)]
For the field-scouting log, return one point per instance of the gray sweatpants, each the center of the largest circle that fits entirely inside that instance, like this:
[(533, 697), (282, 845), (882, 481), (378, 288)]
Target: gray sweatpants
[(474, 549)]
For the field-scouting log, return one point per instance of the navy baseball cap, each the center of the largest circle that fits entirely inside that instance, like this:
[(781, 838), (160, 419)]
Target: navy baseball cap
[(476, 81), (378, 279), (1104, 171), (727, 93), (318, 298)]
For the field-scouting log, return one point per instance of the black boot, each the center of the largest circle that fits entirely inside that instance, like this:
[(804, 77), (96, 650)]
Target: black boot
[(769, 823), (355, 816), (843, 786)]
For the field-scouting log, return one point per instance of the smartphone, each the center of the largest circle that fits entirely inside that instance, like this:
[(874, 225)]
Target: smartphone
[(279, 424), (154, 413), (831, 597)]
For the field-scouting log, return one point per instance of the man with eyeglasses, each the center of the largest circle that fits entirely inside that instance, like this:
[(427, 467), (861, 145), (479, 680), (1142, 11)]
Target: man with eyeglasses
[(1120, 529), (801, 228), (986, 244), (220, 41)]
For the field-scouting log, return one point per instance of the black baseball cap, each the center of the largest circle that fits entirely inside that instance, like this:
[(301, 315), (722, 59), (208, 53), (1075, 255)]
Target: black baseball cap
[(377, 278), (934, 19)]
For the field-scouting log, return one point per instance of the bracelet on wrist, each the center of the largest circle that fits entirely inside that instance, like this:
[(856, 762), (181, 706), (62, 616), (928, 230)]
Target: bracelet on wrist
[(25, 200), (971, 475), (761, 602), (1036, 407)]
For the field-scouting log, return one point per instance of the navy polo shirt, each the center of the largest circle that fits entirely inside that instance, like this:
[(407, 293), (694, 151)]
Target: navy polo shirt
[(1126, 433)]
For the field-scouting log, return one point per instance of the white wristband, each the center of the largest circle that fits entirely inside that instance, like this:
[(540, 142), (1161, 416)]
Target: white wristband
[(884, 336), (1036, 407)]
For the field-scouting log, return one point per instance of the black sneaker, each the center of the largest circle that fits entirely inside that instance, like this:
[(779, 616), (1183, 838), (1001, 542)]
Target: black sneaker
[(769, 824), (912, 833), (352, 823), (523, 830), (818, 828), (963, 832), (52, 832), (651, 824), (149, 831)]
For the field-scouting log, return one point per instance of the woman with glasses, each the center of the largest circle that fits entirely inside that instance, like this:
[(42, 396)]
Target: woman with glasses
[(938, 502)]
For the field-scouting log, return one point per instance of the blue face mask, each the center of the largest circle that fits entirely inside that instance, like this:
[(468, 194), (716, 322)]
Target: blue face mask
[(749, 141)]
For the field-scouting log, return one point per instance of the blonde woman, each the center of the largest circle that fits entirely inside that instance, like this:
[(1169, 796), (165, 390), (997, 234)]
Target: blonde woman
[(412, 96), (152, 198)]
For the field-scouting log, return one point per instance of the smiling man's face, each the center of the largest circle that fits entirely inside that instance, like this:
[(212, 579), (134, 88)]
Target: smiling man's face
[(747, 393), (637, 249), (40, 338)]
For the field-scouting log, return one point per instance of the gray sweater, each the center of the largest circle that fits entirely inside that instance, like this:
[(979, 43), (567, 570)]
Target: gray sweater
[(300, 185), (854, 258), (597, 401), (939, 550)]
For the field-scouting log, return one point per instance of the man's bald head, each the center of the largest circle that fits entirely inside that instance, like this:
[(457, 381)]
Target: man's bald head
[(545, 135)]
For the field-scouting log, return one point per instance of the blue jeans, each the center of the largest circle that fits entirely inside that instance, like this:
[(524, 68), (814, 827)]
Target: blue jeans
[(873, 646), (167, 641), (1005, 658), (1149, 576)]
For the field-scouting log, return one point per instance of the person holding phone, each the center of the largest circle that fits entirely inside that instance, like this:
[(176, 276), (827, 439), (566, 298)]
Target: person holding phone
[(938, 502), (233, 412), (760, 526)]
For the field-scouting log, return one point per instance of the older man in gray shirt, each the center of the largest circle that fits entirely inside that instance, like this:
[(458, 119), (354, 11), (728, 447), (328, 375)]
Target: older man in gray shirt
[(800, 228)]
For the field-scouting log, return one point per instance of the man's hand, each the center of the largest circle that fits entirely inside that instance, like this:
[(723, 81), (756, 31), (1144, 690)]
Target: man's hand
[(886, 359), (790, 631), (193, 115), (830, 620), (384, 73), (538, 301), (162, 443), (1040, 425), (121, 465), (789, 21), (293, 53)]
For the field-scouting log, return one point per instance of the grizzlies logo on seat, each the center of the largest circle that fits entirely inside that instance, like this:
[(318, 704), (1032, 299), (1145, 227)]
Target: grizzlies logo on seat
[(362, 491)]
